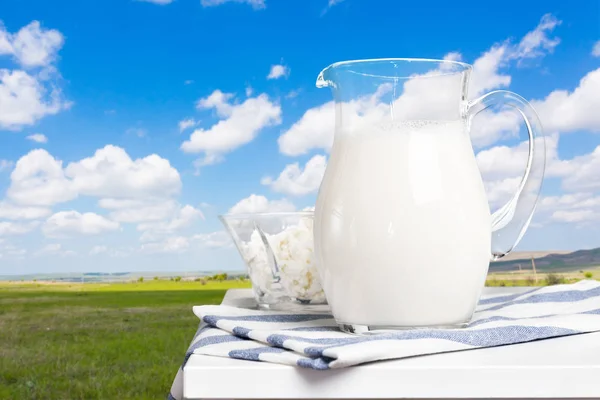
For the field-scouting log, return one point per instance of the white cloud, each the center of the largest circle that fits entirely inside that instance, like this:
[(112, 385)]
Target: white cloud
[(218, 239), (32, 45), (14, 212), (184, 218), (50, 248), (11, 250), (159, 2), (297, 182), (5, 41), (503, 167), (241, 124), (110, 252), (187, 123), (534, 44), (67, 223), (115, 204), (537, 43), (217, 100), (596, 49), (178, 244), (564, 112), (111, 173), (139, 132), (578, 110), (501, 162), (122, 252), (582, 173), (207, 160), (488, 127), (314, 130), (38, 138), (249, 91), (316, 127), (486, 75), (330, 4), (579, 208), (16, 228), (500, 191), (292, 94), (186, 215), (6, 164), (256, 4), (574, 216), (256, 204), (142, 210), (98, 250), (188, 82), (453, 56), (39, 180), (24, 99), (278, 71), (54, 249)]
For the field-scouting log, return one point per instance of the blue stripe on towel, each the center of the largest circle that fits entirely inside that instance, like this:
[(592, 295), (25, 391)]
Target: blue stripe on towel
[(278, 339), (207, 341), (321, 363), (201, 329), (567, 296), (314, 329), (500, 318), (503, 299), (213, 319), (478, 338), (241, 332)]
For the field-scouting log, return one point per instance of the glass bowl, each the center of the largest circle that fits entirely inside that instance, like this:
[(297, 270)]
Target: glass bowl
[(278, 251)]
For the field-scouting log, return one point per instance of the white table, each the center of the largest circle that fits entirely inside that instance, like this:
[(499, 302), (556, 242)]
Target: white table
[(558, 368)]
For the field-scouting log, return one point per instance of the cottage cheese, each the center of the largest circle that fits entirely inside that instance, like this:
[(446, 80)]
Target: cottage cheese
[(293, 250)]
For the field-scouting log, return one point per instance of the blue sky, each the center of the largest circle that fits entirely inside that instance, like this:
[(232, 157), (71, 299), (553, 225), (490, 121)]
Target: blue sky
[(95, 173)]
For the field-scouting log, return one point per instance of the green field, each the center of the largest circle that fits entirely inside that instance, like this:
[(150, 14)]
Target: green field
[(97, 341), (529, 278)]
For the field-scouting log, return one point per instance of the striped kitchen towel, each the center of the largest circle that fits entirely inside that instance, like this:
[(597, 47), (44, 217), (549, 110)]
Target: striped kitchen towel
[(313, 341)]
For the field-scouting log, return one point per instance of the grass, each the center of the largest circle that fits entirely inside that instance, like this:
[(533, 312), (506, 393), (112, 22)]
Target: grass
[(528, 278), (97, 341)]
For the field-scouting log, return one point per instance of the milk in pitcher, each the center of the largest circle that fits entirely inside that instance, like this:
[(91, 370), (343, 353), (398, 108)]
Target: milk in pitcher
[(404, 225)]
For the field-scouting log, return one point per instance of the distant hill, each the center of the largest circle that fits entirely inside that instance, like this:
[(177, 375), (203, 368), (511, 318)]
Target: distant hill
[(562, 262), (526, 255)]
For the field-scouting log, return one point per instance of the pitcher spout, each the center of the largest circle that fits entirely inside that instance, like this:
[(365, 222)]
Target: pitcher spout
[(323, 80)]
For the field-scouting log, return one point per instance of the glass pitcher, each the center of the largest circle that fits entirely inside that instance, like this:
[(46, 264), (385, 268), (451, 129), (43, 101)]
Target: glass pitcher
[(403, 229)]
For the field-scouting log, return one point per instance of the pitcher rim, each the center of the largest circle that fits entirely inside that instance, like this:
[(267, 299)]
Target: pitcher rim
[(431, 60), (464, 66)]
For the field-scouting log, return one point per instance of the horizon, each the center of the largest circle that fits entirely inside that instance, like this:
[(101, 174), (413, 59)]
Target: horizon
[(512, 256), (124, 142)]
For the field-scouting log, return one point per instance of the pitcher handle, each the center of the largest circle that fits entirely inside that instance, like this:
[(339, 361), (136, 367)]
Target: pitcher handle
[(511, 221)]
